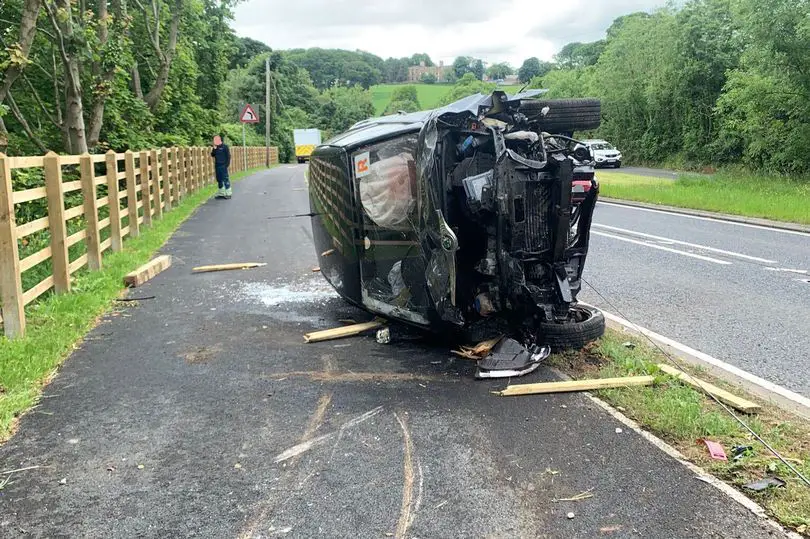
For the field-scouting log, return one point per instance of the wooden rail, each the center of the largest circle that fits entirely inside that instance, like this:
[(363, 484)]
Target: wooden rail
[(133, 189)]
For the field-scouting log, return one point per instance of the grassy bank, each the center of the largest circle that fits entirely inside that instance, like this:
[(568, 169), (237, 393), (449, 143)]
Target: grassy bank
[(58, 322), (429, 95), (681, 415), (745, 194)]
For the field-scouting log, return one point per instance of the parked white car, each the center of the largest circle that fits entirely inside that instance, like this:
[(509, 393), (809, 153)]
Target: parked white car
[(604, 153)]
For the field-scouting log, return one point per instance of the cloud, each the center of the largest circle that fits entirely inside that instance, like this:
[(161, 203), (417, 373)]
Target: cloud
[(495, 30)]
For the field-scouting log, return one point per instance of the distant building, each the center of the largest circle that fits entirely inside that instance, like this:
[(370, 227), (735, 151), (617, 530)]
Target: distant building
[(440, 71)]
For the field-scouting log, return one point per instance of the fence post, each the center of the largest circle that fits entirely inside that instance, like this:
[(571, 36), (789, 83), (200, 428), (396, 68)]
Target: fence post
[(56, 222), (114, 203), (146, 194), (153, 158), (195, 175), (90, 212), (187, 164), (11, 292), (132, 194), (167, 182)]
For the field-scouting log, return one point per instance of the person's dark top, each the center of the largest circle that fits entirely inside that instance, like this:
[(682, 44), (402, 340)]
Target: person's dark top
[(221, 155)]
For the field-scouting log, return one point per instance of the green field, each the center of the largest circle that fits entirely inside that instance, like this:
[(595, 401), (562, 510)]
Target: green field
[(429, 94), (737, 193)]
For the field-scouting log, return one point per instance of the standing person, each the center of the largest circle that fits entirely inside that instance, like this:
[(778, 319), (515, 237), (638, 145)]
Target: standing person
[(222, 160)]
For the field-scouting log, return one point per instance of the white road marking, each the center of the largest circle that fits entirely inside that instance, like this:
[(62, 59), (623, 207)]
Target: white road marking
[(662, 248), (788, 270), (712, 219), (670, 241)]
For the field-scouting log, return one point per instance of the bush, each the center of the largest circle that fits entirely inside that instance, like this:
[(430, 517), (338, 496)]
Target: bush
[(428, 78)]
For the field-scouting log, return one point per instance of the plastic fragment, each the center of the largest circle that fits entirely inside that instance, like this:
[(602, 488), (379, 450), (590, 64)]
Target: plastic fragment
[(764, 484), (716, 450)]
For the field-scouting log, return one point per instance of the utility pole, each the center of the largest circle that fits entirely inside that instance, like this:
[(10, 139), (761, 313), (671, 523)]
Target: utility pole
[(267, 111)]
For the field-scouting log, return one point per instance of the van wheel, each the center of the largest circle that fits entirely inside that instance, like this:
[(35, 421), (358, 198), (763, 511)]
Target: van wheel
[(564, 115), (584, 325)]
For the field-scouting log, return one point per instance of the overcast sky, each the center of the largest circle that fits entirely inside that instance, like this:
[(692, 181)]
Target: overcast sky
[(494, 30)]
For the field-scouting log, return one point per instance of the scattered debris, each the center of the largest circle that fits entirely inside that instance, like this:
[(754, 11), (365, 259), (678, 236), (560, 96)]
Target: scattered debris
[(549, 471), (63, 481), (347, 321), (9, 472), (575, 385), (316, 269), (629, 345), (441, 505), (384, 336), (610, 529), (237, 466), (339, 333), (578, 498), (722, 395), (741, 451), (228, 267), (140, 466), (570, 516), (111, 468), (328, 253), (715, 449), (479, 351), (147, 271), (619, 430), (509, 358), (764, 484), (126, 300)]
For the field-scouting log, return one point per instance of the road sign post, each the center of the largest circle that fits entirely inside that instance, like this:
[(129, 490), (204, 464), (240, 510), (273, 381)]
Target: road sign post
[(248, 116)]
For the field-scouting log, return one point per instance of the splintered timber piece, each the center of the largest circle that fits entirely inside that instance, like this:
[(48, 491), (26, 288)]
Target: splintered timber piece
[(575, 385), (722, 395), (147, 271), (227, 267), (341, 332)]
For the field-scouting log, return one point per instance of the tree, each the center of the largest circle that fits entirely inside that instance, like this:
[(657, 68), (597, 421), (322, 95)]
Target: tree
[(403, 98), (342, 106), (461, 66), (246, 50), (533, 67), (418, 58), (499, 70), (477, 68), (575, 55), (328, 67), (428, 78)]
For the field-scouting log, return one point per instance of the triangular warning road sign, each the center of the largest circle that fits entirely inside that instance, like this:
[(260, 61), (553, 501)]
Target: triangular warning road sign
[(249, 115)]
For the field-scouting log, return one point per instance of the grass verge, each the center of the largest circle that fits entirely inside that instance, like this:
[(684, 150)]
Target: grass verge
[(57, 323), (682, 415), (745, 194)]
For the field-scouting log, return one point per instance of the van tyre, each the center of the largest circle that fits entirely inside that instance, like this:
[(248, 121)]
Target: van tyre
[(564, 115), (585, 325)]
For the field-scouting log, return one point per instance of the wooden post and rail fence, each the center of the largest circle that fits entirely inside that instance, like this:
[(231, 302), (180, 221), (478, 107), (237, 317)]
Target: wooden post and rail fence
[(137, 188)]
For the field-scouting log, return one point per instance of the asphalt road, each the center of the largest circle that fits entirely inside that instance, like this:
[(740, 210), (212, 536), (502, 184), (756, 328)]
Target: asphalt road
[(642, 171), (738, 292), (201, 413)]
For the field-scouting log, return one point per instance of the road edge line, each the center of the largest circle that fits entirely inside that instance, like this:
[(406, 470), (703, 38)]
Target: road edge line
[(754, 221), (700, 473), (768, 391)]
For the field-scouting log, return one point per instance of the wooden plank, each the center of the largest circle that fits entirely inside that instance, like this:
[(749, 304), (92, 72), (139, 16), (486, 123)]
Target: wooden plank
[(153, 157), (105, 244), (32, 226), (132, 194), (11, 294), (70, 159), (29, 194), (72, 213), (121, 196), (116, 237), (26, 162), (98, 158), (100, 180), (121, 175), (341, 332), (104, 223), (125, 231), (722, 395), (56, 217), (179, 174), (69, 187), (227, 267), (167, 181), (102, 202), (78, 264), (146, 193), (90, 212), (38, 290), (37, 258), (575, 385), (147, 271), (73, 239)]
